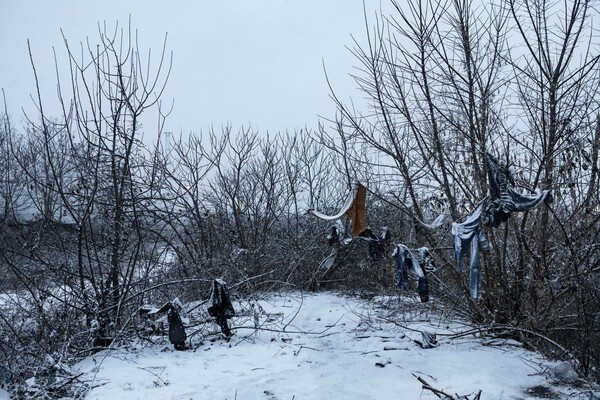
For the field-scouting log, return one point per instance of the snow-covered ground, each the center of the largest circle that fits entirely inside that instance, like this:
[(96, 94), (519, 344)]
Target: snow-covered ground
[(334, 347)]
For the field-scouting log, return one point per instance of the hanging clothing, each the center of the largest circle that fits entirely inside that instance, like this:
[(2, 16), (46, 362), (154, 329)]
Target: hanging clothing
[(354, 208), (378, 250), (465, 232), (439, 221), (426, 260), (176, 317), (177, 335), (357, 212), (221, 307), (377, 244), (406, 262), (491, 212), (469, 236), (503, 199), (333, 236)]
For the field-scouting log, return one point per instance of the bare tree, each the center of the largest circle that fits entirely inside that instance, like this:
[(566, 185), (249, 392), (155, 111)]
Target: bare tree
[(111, 85), (12, 182), (448, 82), (556, 82)]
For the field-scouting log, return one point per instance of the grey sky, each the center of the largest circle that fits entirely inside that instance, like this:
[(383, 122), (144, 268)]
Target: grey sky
[(243, 62)]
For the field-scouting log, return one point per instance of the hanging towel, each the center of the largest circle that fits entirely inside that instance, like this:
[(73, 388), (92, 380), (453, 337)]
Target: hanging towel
[(354, 207)]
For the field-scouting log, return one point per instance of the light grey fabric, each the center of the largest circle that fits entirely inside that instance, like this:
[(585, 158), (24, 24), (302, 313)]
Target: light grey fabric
[(495, 209)]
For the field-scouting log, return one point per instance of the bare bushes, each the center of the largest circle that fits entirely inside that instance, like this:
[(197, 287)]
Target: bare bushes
[(448, 82), (117, 225)]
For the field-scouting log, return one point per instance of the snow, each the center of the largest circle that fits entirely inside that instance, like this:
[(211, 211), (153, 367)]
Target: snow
[(327, 346)]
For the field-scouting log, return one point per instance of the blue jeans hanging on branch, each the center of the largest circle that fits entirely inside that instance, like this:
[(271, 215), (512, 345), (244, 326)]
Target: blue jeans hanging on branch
[(491, 212)]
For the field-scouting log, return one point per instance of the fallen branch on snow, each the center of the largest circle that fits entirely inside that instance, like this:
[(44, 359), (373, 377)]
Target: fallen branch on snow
[(443, 395)]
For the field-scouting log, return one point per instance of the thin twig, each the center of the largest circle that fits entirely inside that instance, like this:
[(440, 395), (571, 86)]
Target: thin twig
[(437, 392)]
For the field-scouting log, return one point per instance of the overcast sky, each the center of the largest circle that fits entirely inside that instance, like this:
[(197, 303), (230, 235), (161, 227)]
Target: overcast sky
[(238, 62)]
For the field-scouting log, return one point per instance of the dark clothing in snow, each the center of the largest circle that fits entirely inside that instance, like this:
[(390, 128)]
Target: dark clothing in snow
[(377, 244), (221, 307), (177, 335), (406, 262)]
